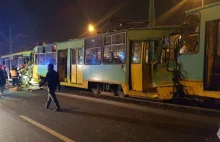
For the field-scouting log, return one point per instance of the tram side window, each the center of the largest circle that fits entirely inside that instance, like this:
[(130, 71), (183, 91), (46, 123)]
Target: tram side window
[(51, 58), (41, 59), (41, 56), (191, 35), (114, 49), (20, 61), (26, 60), (167, 53), (171, 46), (93, 56), (80, 56), (50, 55), (136, 53), (13, 62), (7, 63), (73, 56), (93, 51), (151, 48)]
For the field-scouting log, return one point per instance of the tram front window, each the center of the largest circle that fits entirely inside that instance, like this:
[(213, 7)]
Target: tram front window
[(136, 53), (190, 38)]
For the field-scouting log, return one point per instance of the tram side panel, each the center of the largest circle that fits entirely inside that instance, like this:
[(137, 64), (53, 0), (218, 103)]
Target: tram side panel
[(70, 63), (200, 59)]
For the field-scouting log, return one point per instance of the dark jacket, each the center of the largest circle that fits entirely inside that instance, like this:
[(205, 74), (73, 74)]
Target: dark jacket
[(1, 74), (53, 80), (5, 74), (1, 77)]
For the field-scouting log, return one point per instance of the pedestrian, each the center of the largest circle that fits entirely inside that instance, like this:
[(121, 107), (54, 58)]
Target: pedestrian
[(1, 80), (5, 75), (52, 78), (14, 76)]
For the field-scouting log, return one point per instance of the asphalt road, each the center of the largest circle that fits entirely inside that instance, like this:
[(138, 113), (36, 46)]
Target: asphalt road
[(82, 119)]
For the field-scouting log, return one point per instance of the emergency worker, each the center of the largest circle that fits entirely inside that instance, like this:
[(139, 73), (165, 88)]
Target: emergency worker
[(52, 78), (14, 76)]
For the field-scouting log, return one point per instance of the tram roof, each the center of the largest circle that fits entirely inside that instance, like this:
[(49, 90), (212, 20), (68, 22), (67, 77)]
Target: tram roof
[(44, 45), (18, 53), (162, 27), (202, 8)]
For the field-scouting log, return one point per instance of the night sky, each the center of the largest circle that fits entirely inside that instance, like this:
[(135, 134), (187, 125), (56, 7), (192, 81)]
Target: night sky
[(59, 20)]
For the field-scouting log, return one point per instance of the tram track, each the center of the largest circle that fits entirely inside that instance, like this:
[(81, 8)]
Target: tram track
[(213, 111)]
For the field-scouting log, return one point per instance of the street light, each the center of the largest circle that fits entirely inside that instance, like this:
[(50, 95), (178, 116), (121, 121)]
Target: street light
[(91, 28)]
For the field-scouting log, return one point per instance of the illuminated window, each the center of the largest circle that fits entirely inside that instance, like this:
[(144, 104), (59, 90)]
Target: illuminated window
[(136, 53), (50, 55), (13, 62), (7, 63), (93, 51), (41, 58), (80, 56), (118, 38), (50, 58), (114, 49), (20, 61), (73, 56)]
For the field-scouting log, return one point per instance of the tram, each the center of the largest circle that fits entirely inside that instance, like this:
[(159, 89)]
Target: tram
[(16, 59), (119, 63), (161, 62), (19, 60), (198, 53)]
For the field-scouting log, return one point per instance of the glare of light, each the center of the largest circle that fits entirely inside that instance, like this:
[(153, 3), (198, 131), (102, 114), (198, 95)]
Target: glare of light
[(91, 28), (202, 2), (171, 11)]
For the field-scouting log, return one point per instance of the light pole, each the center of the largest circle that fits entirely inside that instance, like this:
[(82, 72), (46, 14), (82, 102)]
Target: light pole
[(11, 39), (151, 16)]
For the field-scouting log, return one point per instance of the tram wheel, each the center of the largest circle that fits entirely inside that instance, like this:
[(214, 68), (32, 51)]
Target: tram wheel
[(120, 92), (95, 89)]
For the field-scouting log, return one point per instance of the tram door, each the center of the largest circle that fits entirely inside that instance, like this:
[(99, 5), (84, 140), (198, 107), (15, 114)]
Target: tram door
[(62, 65), (140, 75), (76, 65), (212, 57)]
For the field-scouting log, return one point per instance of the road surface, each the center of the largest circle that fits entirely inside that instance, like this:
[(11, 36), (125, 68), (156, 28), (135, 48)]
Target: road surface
[(84, 119)]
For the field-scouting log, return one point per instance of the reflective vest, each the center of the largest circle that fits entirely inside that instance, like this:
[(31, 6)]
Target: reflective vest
[(13, 73)]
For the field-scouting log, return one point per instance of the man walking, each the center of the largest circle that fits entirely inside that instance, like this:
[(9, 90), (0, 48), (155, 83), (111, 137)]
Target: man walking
[(52, 78)]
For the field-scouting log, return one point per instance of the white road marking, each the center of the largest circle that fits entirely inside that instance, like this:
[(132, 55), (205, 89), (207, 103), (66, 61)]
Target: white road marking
[(52, 132)]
